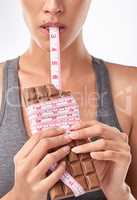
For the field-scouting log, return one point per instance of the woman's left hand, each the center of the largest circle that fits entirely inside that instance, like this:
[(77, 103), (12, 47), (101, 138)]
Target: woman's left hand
[(111, 153)]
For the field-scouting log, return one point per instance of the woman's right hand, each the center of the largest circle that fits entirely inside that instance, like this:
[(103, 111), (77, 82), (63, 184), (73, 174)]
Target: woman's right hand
[(33, 161)]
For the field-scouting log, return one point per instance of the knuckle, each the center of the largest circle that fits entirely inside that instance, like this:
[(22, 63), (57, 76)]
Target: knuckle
[(128, 157), (19, 171), (51, 157), (111, 154), (125, 137), (45, 143), (101, 129), (104, 143), (29, 180), (35, 190), (128, 148), (42, 141)]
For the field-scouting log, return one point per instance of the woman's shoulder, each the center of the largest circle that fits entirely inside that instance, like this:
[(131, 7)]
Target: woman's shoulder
[(118, 73), (1, 72), (122, 71), (122, 76), (123, 81)]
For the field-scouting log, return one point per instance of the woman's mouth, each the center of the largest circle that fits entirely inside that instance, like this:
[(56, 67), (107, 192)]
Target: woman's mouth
[(45, 28)]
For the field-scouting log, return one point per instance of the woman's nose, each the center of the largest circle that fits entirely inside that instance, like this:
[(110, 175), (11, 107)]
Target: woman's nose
[(53, 7)]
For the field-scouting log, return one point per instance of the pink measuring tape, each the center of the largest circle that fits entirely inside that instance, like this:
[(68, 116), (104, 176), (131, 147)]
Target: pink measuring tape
[(55, 57), (56, 81)]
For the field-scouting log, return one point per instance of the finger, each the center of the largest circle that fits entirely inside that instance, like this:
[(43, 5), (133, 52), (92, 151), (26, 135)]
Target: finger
[(28, 146), (51, 132), (32, 142), (110, 155), (97, 131), (44, 145), (46, 184), (83, 124), (99, 145), (125, 137), (48, 161), (86, 124)]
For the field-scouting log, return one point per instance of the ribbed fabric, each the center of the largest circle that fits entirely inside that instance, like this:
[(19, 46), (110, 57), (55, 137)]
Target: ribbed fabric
[(12, 129)]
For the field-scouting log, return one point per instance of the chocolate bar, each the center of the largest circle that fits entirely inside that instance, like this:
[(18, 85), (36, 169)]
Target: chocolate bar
[(82, 168), (47, 105), (42, 93)]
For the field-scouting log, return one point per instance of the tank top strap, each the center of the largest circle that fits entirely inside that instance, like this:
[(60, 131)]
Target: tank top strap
[(10, 71), (105, 107), (11, 102), (9, 82)]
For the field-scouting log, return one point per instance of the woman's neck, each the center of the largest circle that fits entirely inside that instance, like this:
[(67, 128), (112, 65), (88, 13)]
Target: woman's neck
[(36, 61)]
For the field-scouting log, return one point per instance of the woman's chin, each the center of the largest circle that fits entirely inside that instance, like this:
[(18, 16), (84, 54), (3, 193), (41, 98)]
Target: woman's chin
[(46, 46), (44, 43)]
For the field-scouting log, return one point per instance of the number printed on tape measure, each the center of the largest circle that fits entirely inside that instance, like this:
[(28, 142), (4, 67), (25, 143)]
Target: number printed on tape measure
[(53, 35)]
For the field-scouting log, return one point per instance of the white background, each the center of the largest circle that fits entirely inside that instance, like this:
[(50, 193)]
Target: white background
[(110, 31)]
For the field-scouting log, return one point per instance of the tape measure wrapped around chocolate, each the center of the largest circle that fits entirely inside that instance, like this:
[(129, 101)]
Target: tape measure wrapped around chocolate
[(48, 107)]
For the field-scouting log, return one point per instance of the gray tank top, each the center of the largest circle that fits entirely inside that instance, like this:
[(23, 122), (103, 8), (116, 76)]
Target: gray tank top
[(12, 128)]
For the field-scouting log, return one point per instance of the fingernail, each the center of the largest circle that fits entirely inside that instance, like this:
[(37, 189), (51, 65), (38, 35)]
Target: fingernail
[(60, 130), (74, 135), (66, 136), (66, 149), (92, 154), (75, 150), (75, 126), (63, 163)]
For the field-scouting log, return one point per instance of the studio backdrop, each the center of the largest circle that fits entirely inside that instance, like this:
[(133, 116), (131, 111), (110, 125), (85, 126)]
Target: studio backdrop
[(110, 31)]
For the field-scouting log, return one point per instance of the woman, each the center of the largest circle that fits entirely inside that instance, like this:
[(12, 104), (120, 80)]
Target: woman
[(116, 123)]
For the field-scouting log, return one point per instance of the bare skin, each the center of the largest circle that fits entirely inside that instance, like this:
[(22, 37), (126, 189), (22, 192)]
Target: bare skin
[(78, 76)]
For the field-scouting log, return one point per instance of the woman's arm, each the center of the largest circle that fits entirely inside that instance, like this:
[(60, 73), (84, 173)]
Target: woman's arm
[(132, 173), (9, 196)]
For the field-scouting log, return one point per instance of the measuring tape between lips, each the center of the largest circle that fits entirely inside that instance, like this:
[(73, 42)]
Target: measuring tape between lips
[(55, 57)]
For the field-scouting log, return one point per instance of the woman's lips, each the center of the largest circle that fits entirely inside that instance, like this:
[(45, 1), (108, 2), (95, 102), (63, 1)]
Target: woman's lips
[(45, 30)]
